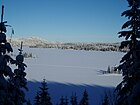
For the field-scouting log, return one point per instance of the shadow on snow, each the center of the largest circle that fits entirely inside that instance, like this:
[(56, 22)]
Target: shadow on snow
[(56, 90)]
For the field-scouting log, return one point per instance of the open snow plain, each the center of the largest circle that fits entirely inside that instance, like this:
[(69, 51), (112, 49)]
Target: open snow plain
[(71, 71)]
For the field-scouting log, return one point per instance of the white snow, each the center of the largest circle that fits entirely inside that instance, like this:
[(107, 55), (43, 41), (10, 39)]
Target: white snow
[(78, 67), (70, 71)]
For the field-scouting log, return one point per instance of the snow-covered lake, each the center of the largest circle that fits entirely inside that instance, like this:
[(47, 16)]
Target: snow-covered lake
[(71, 68)]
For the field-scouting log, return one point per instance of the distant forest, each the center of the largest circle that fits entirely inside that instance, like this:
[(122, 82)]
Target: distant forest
[(39, 43), (84, 46)]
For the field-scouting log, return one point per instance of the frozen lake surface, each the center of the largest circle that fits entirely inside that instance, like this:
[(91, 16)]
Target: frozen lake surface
[(70, 71), (71, 66)]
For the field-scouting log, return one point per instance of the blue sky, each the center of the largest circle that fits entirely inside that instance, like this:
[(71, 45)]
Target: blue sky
[(66, 20)]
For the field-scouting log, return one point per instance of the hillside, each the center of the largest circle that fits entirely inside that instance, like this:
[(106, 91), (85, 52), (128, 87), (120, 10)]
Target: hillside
[(34, 42), (31, 41)]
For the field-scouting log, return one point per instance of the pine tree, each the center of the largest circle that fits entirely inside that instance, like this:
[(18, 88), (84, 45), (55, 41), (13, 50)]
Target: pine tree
[(18, 83), (28, 102), (5, 70), (108, 69), (63, 101), (66, 101), (105, 101), (11, 83), (74, 100), (84, 100), (128, 91), (45, 98), (37, 99)]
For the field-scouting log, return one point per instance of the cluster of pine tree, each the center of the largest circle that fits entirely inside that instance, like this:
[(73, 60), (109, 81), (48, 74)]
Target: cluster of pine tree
[(74, 101), (43, 97)]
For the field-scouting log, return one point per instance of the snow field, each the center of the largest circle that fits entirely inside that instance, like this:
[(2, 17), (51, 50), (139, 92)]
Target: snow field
[(77, 67), (71, 71)]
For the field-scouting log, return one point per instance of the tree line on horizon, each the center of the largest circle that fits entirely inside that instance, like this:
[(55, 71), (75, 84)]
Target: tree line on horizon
[(84, 46)]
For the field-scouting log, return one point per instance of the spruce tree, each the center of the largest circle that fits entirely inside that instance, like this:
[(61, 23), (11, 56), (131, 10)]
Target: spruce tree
[(28, 102), (37, 99), (74, 100), (5, 70), (18, 83), (45, 98), (128, 91), (11, 83), (108, 69), (84, 100), (105, 101), (66, 101), (63, 101)]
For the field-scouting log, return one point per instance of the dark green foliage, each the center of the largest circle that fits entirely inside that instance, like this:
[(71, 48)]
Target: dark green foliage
[(105, 101), (108, 69), (66, 101), (28, 102), (84, 100), (43, 97), (37, 99), (63, 101), (18, 82), (128, 90), (11, 83), (74, 100), (28, 55)]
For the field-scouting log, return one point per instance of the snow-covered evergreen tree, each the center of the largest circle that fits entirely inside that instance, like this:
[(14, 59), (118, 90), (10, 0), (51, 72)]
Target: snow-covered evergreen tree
[(11, 83), (45, 98), (18, 82), (84, 100), (5, 70), (129, 89)]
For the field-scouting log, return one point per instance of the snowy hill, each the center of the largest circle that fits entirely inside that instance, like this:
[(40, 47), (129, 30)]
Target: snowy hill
[(34, 42), (31, 41)]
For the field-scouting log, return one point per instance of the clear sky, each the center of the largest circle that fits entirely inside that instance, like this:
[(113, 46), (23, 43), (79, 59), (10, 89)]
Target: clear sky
[(66, 20)]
